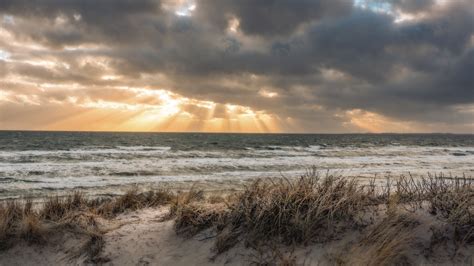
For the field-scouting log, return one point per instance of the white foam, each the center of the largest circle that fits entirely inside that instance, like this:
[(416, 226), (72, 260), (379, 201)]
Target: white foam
[(95, 167)]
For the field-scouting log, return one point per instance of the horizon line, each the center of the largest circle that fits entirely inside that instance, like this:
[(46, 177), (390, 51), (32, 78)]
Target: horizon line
[(233, 132)]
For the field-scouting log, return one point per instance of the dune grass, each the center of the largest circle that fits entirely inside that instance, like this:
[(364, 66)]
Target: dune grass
[(272, 212), (308, 209), (315, 209), (389, 242), (75, 214)]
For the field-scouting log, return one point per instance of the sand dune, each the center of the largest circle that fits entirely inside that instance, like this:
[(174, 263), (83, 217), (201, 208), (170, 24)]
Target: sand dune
[(309, 221), (145, 237)]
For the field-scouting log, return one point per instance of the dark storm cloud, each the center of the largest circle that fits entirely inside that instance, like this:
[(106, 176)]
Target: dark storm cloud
[(322, 58), (269, 17), (413, 5), (355, 44), (371, 47), (77, 21), (88, 8)]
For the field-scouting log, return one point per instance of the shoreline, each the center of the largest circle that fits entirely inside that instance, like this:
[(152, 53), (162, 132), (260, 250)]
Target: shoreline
[(214, 186)]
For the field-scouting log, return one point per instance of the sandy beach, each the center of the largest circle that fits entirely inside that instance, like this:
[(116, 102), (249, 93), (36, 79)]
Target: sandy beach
[(143, 238)]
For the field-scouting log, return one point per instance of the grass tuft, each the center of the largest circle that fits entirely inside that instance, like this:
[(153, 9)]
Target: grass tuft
[(75, 213), (308, 209), (388, 243), (305, 210)]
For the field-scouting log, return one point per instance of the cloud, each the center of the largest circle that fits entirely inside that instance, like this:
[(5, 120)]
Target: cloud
[(411, 6), (75, 22), (328, 61), (274, 17)]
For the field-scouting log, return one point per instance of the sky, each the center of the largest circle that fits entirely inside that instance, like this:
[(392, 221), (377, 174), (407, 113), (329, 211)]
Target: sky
[(322, 66)]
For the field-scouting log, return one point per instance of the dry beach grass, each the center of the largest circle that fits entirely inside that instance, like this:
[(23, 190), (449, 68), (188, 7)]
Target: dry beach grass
[(408, 221), (314, 209), (74, 214)]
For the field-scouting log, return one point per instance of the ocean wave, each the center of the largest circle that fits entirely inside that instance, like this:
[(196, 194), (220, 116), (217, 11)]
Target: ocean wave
[(143, 148), (248, 151), (92, 167)]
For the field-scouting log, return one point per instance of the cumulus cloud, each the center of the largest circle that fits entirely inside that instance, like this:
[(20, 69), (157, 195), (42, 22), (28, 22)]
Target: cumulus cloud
[(333, 64)]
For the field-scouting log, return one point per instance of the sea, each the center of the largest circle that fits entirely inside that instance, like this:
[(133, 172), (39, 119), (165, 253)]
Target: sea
[(36, 164)]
